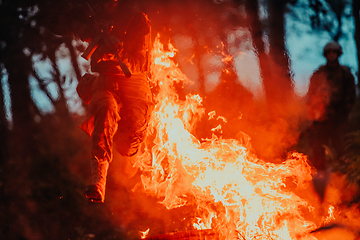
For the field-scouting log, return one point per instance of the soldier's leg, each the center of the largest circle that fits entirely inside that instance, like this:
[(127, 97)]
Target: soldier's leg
[(105, 109), (319, 138), (340, 129), (132, 130)]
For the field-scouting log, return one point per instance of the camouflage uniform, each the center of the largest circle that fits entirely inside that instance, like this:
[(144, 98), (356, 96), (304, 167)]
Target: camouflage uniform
[(120, 107)]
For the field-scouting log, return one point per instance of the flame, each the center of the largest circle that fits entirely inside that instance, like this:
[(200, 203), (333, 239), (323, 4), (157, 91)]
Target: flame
[(330, 216), (236, 194), (144, 233)]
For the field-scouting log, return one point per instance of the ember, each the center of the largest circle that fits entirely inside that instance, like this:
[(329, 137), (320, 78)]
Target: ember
[(237, 195), (145, 233)]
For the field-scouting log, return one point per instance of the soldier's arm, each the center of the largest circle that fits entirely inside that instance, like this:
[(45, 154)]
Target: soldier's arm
[(350, 93)]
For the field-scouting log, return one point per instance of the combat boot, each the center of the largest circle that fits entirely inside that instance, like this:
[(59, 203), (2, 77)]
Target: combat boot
[(96, 191)]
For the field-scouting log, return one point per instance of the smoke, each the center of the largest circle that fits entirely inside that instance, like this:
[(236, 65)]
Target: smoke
[(216, 52)]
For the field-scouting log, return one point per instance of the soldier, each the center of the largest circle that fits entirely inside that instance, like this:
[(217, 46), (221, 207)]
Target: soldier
[(120, 100), (330, 98)]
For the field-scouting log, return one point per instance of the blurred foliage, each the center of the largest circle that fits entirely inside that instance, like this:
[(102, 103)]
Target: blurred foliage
[(325, 13), (350, 160)]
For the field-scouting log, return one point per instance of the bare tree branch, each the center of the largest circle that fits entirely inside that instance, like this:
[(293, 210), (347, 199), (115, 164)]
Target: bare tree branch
[(73, 57), (43, 86)]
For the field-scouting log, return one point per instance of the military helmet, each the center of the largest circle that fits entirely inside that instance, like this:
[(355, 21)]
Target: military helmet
[(332, 46)]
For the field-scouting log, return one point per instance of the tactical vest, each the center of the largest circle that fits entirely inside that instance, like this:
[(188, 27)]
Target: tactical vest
[(134, 45)]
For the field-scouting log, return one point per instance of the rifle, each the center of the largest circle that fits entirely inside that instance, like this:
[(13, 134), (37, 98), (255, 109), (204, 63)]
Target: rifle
[(102, 36)]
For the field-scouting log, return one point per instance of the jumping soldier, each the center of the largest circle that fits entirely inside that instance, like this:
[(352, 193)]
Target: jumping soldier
[(119, 96)]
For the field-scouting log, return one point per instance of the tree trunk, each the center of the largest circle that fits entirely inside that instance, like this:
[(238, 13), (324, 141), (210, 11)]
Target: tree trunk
[(256, 30), (337, 7), (281, 87), (4, 126), (356, 9), (18, 66), (21, 100)]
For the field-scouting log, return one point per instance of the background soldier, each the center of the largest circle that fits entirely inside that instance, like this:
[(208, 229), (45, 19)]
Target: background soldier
[(330, 98)]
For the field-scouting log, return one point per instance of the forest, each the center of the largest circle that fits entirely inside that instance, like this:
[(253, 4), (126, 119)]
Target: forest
[(44, 156)]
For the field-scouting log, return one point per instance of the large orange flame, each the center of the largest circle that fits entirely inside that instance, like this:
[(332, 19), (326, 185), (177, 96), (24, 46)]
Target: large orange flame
[(237, 195)]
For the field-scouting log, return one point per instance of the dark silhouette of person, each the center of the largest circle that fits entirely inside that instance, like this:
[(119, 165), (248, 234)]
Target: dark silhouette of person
[(329, 100)]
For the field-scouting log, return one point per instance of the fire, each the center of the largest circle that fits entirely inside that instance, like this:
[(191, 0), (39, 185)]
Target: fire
[(237, 195), (144, 233), (330, 216)]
